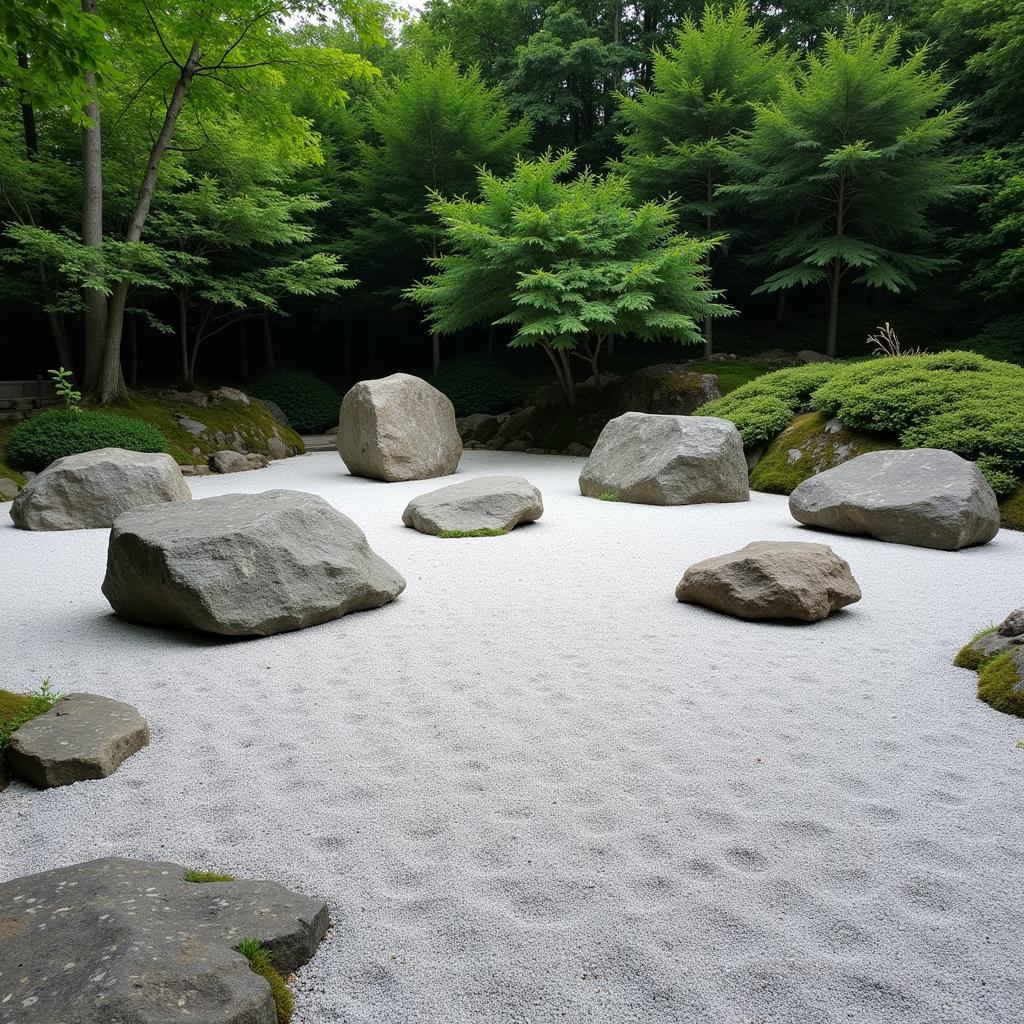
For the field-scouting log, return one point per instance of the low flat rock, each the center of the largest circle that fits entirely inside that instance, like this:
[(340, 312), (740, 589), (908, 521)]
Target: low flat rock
[(667, 460), (927, 497), (398, 428), (244, 565), (114, 941), (772, 580), (485, 503), (90, 490), (84, 736)]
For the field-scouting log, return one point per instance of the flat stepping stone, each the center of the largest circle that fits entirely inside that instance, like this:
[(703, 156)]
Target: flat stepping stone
[(485, 503), (130, 940), (84, 736), (772, 580), (667, 460), (928, 497), (90, 490), (244, 565)]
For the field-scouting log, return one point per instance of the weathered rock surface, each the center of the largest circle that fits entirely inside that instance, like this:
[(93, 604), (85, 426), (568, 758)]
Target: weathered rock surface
[(772, 580), (478, 426), (275, 410), (244, 565), (89, 491), (228, 461), (84, 736), (927, 497), (1013, 624), (398, 428), (486, 503), (114, 941), (667, 389), (8, 489), (667, 460)]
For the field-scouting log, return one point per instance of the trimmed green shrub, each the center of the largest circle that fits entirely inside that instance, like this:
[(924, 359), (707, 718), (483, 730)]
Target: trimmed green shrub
[(310, 404), (38, 441), (478, 384)]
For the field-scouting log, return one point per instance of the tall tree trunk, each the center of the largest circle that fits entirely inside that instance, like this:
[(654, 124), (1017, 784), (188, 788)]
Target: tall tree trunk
[(133, 334), (780, 306), (111, 384), (186, 380), (268, 343), (92, 228), (709, 341), (243, 349), (833, 306)]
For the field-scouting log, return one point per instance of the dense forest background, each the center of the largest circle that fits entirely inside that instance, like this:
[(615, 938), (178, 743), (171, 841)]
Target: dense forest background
[(198, 191)]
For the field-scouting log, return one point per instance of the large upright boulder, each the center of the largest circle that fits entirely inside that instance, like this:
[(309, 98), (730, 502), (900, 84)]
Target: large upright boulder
[(398, 428), (244, 565), (118, 940), (928, 497), (667, 460), (486, 503), (772, 580), (90, 490)]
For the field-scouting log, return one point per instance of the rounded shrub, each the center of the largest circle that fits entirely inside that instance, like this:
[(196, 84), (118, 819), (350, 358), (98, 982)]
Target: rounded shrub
[(310, 404), (478, 384), (36, 442)]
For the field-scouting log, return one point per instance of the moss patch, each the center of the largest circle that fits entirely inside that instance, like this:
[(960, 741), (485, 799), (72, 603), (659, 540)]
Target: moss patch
[(999, 684), (18, 708), (202, 877), (820, 445), (969, 656), (1011, 511), (485, 532), (260, 963)]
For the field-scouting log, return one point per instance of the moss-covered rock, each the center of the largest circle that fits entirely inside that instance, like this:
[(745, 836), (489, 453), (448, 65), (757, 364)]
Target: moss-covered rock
[(810, 444), (1011, 510), (1001, 682)]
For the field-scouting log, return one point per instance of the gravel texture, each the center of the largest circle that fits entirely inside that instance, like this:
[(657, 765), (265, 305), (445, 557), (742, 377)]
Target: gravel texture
[(537, 788)]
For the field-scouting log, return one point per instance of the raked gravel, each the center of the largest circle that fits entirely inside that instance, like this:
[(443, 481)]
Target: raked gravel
[(536, 788)]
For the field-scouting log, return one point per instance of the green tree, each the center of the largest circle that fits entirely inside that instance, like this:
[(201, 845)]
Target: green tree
[(567, 263), (677, 134), (856, 151), (430, 131)]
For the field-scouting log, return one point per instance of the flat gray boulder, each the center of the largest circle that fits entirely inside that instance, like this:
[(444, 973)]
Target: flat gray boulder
[(398, 428), (485, 503), (667, 460), (772, 580), (118, 940), (90, 490), (84, 736), (928, 497), (244, 565)]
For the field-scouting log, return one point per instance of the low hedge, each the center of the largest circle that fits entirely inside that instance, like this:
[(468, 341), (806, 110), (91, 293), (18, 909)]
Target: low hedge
[(479, 384), (310, 403), (35, 443)]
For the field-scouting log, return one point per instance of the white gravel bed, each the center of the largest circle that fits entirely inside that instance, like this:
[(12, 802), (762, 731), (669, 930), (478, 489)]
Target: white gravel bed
[(536, 788)]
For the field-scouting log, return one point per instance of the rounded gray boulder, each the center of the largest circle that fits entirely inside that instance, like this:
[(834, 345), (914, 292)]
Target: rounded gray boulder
[(928, 497), (244, 565), (485, 503), (90, 490), (667, 460), (398, 428)]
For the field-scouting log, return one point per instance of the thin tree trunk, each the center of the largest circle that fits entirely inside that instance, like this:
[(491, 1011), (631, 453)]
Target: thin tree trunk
[(92, 228), (268, 343), (833, 307), (243, 349), (133, 334), (780, 306), (186, 380), (709, 341), (570, 394), (570, 383), (28, 115), (593, 355)]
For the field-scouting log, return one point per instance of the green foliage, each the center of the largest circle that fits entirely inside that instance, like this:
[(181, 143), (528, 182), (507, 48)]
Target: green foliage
[(310, 404), (261, 963), (480, 384), (202, 877), (1001, 339), (62, 384), (36, 442), (969, 656), (18, 708), (1000, 684), (482, 532), (567, 263), (1011, 509)]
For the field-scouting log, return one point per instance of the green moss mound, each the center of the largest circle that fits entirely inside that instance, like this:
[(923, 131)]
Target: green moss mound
[(36, 442), (260, 963), (969, 656), (819, 444), (1000, 685), (482, 532), (310, 403), (1011, 510), (956, 400), (480, 384), (203, 877)]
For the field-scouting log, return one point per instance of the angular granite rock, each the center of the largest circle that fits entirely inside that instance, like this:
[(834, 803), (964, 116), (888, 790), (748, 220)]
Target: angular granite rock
[(244, 565), (398, 428), (772, 580), (928, 497), (485, 503), (229, 462), (667, 460), (114, 941), (90, 490), (84, 736)]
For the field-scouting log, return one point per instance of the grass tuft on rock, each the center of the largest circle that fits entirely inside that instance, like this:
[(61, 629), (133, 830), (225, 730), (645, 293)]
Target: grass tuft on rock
[(999, 684), (483, 532), (18, 708), (201, 877), (260, 963)]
